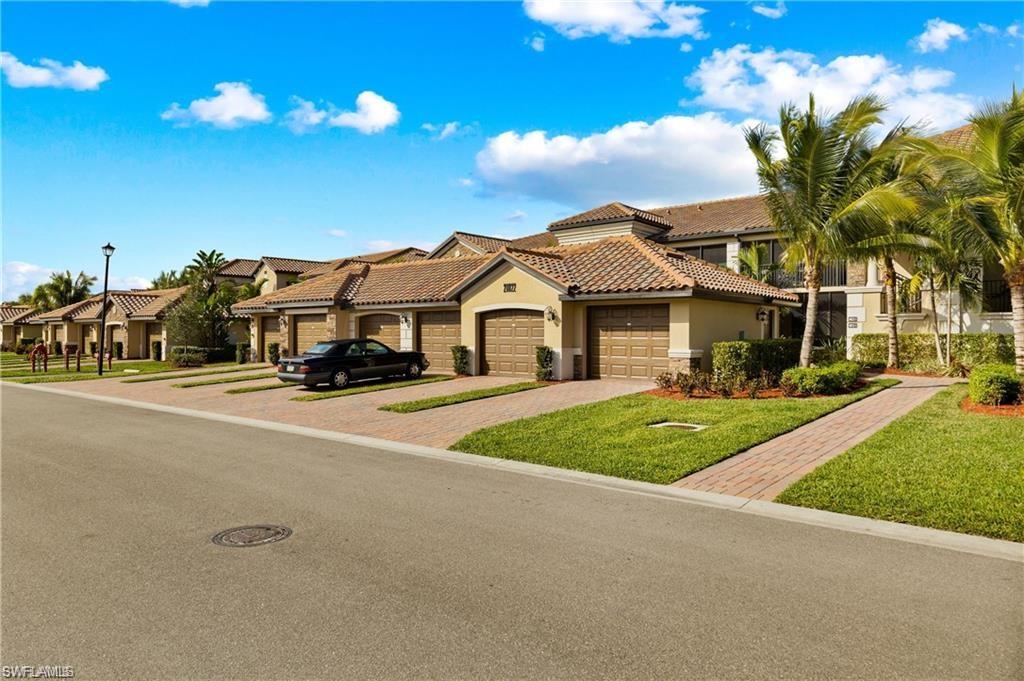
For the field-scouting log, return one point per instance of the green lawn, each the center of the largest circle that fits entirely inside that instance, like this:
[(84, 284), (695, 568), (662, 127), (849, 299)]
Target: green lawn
[(458, 398), (57, 373), (228, 379), (226, 368), (612, 437), (259, 388), (938, 466), (371, 387)]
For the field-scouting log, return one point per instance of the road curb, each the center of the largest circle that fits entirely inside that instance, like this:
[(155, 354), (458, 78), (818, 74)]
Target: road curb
[(982, 546)]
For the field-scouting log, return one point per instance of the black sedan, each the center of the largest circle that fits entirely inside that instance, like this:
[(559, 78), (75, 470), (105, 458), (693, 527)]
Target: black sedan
[(339, 362)]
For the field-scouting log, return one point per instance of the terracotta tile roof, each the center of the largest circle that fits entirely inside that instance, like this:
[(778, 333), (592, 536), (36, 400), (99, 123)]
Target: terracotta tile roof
[(610, 212), (542, 240), (423, 281), (91, 310), (64, 312), (324, 289), (158, 306), (958, 138), (10, 314), (240, 267), (290, 265), (407, 254), (482, 242)]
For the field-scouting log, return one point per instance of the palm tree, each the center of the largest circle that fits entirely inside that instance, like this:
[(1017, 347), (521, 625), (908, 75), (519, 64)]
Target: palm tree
[(62, 289), (756, 262), (205, 267), (170, 279), (989, 177), (828, 190), (250, 289)]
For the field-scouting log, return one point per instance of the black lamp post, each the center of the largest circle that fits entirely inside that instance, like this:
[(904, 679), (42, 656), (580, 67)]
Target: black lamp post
[(108, 251)]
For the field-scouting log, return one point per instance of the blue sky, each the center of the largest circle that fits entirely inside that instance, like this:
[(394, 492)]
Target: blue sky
[(319, 130)]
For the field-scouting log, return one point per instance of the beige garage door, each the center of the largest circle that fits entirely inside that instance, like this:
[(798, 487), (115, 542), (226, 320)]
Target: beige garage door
[(310, 329), (382, 327), (88, 337), (628, 341), (436, 334), (154, 334), (510, 339), (270, 330), (58, 333)]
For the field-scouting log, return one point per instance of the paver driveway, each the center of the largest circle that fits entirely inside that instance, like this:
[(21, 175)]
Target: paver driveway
[(358, 414)]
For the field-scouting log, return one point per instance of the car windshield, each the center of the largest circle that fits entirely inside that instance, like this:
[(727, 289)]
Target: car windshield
[(320, 349)]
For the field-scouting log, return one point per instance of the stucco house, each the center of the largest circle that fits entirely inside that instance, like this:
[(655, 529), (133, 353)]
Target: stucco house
[(13, 325), (619, 306)]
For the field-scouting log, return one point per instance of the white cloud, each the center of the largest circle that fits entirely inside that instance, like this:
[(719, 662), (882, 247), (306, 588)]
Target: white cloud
[(536, 42), (51, 73), (685, 47), (381, 245), (937, 35), (515, 216), (673, 159), (752, 82), (988, 28), (22, 277), (1013, 30), (125, 283), (443, 131), (620, 21), (776, 12), (373, 114), (304, 116), (466, 182), (340, 233), (236, 105), (190, 3)]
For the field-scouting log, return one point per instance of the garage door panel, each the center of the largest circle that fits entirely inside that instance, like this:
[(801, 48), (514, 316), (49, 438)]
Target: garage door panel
[(628, 341), (310, 329), (385, 328), (437, 333), (510, 341)]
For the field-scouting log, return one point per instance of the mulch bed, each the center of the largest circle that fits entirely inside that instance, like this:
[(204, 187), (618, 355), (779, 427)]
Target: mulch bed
[(770, 394), (1001, 410)]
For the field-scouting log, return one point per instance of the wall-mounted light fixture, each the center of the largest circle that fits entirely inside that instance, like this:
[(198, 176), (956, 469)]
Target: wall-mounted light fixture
[(405, 318), (762, 315), (550, 314)]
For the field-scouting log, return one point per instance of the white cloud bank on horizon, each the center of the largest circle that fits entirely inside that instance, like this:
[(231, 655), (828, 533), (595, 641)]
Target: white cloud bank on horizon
[(937, 36), (51, 73), (234, 105), (672, 160), (22, 277), (769, 12), (759, 82), (373, 114), (620, 21)]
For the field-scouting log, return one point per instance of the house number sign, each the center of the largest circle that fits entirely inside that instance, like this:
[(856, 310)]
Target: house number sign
[(510, 288)]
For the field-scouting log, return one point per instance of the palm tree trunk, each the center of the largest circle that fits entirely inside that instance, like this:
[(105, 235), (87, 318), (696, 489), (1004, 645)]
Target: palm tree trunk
[(893, 361), (812, 280), (1017, 306), (935, 320), (949, 325)]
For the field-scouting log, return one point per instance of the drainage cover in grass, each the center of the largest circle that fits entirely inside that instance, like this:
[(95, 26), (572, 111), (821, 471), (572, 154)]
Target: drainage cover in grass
[(251, 535), (678, 426)]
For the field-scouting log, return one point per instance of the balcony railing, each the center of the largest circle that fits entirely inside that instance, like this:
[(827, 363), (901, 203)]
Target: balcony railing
[(832, 274), (995, 296)]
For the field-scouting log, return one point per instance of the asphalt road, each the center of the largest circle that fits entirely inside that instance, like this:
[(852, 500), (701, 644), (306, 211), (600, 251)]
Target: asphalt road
[(407, 567)]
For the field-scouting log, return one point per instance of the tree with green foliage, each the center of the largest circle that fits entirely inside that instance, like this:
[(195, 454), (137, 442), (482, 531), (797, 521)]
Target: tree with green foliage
[(170, 279), (827, 190), (62, 289), (755, 261), (201, 318)]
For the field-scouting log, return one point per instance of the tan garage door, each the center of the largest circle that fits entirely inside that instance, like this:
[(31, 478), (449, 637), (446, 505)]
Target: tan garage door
[(58, 333), (154, 334), (628, 341), (88, 338), (310, 329), (382, 327), (510, 339), (436, 334), (270, 330)]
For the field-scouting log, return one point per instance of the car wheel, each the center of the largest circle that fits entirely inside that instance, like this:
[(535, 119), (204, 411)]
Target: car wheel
[(413, 370), (340, 379)]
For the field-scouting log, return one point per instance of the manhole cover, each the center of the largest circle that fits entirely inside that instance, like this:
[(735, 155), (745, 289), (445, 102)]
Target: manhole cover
[(679, 426), (252, 535)]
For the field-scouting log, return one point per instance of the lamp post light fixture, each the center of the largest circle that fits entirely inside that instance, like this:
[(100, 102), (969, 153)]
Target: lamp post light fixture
[(108, 251)]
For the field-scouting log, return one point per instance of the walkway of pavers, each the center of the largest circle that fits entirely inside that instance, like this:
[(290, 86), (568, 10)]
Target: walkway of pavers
[(358, 414), (762, 472)]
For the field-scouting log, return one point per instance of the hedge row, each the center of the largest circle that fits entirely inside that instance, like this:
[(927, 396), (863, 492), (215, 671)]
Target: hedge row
[(746, 359), (829, 380), (995, 384), (970, 349)]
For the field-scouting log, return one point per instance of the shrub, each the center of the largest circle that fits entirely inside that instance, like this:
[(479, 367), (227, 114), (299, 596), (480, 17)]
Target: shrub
[(93, 347), (970, 349), (20, 349), (242, 353), (751, 358), (186, 357), (994, 384), (118, 350), (545, 362), (460, 360), (829, 380), (273, 352), (830, 351), (665, 380), (58, 348), (156, 350)]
